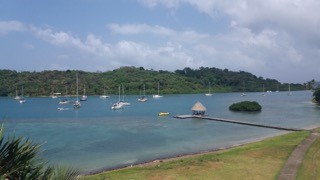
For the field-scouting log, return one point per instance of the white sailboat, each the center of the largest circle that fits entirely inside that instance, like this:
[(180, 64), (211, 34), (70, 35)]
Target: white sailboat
[(243, 93), (157, 95), (104, 96), (22, 100), (55, 95), (123, 102), (263, 94), (77, 104), (64, 100), (117, 105), (84, 96), (289, 93), (209, 94), (143, 98), (17, 97)]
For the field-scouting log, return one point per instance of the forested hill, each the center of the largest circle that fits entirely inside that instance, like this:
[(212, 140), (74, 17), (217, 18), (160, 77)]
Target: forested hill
[(179, 82)]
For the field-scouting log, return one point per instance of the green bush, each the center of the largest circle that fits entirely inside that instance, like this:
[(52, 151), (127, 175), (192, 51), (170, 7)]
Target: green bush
[(245, 106), (316, 95)]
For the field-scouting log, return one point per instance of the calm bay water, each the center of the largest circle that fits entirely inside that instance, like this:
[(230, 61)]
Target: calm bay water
[(96, 137)]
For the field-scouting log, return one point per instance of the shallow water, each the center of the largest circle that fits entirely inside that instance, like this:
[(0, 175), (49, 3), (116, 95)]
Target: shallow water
[(96, 137)]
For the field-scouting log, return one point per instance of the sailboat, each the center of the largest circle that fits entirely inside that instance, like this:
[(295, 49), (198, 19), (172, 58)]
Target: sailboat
[(22, 100), (117, 105), (64, 100), (289, 93), (104, 96), (123, 102), (263, 94), (55, 95), (77, 104), (157, 95), (209, 94), (143, 98), (17, 97), (243, 94), (84, 96)]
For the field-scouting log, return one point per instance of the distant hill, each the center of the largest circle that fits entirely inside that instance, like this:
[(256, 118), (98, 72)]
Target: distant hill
[(183, 81)]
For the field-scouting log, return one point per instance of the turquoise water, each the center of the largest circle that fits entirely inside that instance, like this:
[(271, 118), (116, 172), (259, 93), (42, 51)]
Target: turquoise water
[(95, 137)]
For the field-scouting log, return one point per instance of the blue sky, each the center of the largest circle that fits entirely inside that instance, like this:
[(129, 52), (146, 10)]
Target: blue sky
[(278, 39)]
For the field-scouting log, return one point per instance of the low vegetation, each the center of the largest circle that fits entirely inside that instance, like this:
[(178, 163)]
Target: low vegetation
[(260, 160), (246, 106)]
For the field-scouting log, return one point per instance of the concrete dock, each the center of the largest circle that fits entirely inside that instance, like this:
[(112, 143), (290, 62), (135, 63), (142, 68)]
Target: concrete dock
[(236, 122)]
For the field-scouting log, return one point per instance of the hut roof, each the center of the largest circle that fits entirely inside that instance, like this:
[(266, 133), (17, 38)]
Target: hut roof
[(198, 107)]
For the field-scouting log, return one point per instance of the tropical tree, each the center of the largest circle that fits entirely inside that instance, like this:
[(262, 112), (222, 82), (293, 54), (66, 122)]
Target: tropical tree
[(316, 95), (19, 159)]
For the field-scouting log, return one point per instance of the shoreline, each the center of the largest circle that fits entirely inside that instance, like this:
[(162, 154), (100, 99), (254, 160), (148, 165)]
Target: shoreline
[(176, 157)]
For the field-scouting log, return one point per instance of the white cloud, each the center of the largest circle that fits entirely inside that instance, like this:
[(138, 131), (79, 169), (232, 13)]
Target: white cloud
[(264, 37), (189, 36), (140, 28), (10, 26), (167, 3)]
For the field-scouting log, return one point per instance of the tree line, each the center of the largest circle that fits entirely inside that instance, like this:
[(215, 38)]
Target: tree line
[(183, 81)]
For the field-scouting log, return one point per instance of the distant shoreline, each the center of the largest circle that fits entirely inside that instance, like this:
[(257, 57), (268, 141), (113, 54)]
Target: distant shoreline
[(220, 92)]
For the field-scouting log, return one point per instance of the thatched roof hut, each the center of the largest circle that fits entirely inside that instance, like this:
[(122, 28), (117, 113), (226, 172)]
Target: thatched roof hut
[(198, 109)]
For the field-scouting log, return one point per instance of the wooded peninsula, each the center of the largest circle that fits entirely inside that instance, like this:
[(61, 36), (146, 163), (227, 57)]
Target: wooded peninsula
[(185, 81)]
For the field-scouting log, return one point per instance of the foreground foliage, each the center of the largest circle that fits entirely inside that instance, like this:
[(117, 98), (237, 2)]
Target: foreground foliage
[(245, 106), (19, 159), (260, 160)]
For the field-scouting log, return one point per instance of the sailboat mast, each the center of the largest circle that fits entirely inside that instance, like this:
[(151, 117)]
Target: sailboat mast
[(144, 89), (119, 93), (158, 87), (77, 87), (122, 92), (289, 88)]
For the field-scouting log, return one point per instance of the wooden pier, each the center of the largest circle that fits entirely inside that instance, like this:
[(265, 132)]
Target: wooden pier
[(237, 122)]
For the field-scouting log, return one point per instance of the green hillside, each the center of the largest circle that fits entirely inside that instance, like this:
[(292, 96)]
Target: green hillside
[(183, 81)]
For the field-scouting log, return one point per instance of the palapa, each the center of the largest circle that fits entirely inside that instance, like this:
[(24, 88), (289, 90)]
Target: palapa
[(198, 109)]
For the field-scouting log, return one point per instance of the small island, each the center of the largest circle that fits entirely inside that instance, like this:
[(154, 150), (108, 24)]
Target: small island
[(250, 106)]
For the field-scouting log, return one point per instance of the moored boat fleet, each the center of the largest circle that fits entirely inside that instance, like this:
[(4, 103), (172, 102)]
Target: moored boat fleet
[(121, 103)]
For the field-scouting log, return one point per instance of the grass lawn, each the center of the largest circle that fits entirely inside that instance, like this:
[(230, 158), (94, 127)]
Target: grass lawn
[(310, 167), (260, 160)]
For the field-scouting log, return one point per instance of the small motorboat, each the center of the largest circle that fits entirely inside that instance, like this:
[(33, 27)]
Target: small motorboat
[(163, 113)]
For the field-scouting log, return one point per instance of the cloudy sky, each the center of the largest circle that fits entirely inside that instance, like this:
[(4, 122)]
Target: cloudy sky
[(278, 39)]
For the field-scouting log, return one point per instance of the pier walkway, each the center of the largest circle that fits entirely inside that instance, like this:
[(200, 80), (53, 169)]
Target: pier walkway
[(236, 122), (289, 171)]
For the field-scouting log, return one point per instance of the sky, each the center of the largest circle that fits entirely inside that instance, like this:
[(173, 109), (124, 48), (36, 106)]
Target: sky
[(276, 39)]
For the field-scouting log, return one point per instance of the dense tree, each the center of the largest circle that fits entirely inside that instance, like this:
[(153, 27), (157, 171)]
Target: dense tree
[(245, 106), (316, 95), (182, 81)]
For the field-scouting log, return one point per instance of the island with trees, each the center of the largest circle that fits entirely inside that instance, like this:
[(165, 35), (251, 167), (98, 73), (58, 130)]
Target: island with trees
[(249, 106)]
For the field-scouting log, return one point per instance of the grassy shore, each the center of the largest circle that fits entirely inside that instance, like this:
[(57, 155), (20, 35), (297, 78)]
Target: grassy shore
[(310, 167), (260, 160)]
